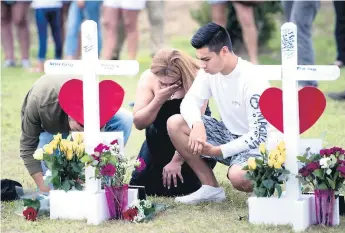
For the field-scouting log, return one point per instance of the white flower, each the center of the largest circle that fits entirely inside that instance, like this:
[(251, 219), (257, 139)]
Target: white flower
[(95, 162), (147, 204), (38, 155), (329, 171), (333, 161), (140, 216), (325, 162)]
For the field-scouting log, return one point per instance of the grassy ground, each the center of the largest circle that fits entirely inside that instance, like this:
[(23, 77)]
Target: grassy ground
[(222, 217)]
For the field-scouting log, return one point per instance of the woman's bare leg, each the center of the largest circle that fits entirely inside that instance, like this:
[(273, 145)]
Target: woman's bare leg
[(110, 23), (130, 19)]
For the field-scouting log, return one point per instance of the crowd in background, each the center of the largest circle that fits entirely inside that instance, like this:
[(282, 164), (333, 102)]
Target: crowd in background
[(120, 23)]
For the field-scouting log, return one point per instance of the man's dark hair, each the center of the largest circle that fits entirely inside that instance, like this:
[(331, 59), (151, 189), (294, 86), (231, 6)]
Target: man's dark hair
[(212, 36)]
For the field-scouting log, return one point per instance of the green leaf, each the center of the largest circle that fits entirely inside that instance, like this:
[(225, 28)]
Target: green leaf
[(318, 173), (259, 161), (302, 159), (245, 168), (260, 192), (279, 190), (75, 167), (268, 183), (322, 186), (69, 137), (32, 203), (341, 157), (86, 159), (248, 176), (72, 182), (331, 183), (66, 185), (78, 186)]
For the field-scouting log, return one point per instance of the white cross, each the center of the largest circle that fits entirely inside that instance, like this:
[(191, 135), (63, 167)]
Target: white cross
[(292, 208), (90, 67)]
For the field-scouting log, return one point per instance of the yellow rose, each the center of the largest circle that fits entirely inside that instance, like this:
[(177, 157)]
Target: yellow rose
[(270, 162), (48, 149), (277, 165), (78, 138), (58, 137), (262, 148), (54, 144), (281, 146), (69, 155), (282, 157), (81, 150), (251, 163), (74, 146), (63, 147), (69, 145), (38, 155)]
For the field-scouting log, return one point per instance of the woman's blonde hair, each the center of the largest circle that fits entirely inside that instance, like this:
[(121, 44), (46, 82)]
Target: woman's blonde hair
[(175, 64)]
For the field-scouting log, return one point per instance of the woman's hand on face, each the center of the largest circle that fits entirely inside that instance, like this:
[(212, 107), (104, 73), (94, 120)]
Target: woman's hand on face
[(164, 93)]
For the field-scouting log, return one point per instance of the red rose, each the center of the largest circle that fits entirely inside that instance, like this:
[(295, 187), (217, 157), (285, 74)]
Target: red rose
[(30, 214), (114, 142), (341, 170), (108, 170), (304, 172), (130, 214), (312, 166)]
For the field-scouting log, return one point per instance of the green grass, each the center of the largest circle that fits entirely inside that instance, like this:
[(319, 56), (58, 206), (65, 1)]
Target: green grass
[(178, 218)]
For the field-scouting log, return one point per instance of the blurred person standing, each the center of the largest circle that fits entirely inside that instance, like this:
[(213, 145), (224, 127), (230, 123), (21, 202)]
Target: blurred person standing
[(79, 11), (155, 13), (129, 10), (15, 12), (303, 13), (47, 13), (246, 18)]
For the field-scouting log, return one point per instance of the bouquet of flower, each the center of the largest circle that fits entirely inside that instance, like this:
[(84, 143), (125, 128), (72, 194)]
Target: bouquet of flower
[(111, 166), (32, 204), (142, 210), (324, 170), (62, 157), (268, 172)]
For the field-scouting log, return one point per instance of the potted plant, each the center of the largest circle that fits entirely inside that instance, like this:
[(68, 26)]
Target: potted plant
[(325, 173)]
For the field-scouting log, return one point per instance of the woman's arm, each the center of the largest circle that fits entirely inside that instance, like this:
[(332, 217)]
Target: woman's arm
[(146, 106)]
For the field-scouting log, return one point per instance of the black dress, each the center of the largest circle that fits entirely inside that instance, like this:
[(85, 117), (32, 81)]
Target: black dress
[(157, 151)]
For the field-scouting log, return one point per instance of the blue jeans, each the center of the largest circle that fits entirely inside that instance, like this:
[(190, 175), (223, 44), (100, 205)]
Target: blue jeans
[(122, 121), (76, 15), (303, 13), (51, 16)]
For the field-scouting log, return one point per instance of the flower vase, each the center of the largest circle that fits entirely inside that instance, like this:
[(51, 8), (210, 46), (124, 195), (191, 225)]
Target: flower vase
[(324, 205), (117, 200)]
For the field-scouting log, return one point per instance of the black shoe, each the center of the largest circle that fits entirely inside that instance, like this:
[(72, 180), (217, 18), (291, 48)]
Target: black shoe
[(337, 95)]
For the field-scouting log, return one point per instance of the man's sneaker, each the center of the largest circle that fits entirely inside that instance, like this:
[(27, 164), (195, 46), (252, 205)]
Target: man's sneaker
[(205, 194)]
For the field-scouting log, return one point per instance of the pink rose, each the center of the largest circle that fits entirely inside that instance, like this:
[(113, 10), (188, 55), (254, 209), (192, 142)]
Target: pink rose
[(114, 142), (142, 165), (341, 170), (101, 148), (108, 170), (312, 166)]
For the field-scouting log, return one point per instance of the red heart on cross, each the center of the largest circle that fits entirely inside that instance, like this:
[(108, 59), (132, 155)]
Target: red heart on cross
[(312, 103), (111, 97)]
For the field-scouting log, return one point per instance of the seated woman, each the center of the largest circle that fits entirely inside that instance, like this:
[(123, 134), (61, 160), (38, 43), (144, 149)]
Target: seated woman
[(158, 96)]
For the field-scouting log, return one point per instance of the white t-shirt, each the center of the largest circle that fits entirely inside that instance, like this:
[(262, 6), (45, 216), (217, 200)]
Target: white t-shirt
[(46, 4), (237, 98)]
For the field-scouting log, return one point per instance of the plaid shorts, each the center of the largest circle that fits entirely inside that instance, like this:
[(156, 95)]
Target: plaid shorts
[(218, 134)]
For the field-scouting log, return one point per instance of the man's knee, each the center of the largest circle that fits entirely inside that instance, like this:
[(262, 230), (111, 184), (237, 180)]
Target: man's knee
[(237, 179)]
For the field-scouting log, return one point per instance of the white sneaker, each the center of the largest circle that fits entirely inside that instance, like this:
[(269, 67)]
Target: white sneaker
[(205, 194)]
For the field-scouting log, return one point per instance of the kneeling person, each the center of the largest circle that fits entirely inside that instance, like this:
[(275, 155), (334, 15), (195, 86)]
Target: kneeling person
[(237, 137), (42, 117)]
